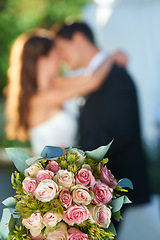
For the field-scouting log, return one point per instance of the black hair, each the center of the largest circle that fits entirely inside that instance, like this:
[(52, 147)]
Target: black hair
[(67, 31)]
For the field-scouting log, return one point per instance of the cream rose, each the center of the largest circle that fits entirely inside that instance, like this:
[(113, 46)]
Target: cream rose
[(65, 178), (34, 223), (51, 219), (100, 214), (46, 190), (80, 195), (33, 170), (58, 234)]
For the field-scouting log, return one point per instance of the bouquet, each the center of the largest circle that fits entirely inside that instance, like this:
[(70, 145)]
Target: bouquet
[(71, 196)]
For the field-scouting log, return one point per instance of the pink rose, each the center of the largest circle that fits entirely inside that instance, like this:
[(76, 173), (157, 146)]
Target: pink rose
[(34, 223), (78, 236), (100, 214), (60, 233), (85, 177), (107, 177), (102, 193), (53, 166), (51, 219), (65, 198), (44, 174), (76, 214), (29, 185), (46, 190)]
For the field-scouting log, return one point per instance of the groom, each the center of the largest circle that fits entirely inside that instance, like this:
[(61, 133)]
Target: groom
[(109, 113)]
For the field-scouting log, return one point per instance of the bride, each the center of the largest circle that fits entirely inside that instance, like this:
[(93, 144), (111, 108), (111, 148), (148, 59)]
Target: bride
[(36, 93)]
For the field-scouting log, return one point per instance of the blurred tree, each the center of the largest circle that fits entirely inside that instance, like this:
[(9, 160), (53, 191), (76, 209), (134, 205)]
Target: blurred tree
[(18, 16)]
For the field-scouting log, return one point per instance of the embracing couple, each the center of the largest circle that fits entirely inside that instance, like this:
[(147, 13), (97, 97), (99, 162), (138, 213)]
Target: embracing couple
[(110, 111)]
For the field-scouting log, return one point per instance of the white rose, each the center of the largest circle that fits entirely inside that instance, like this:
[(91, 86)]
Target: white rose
[(51, 219), (46, 190), (34, 223), (33, 170), (64, 178), (100, 214), (81, 195)]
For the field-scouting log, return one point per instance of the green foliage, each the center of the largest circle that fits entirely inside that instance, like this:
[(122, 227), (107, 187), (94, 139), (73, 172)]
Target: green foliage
[(20, 16), (69, 162), (29, 204), (94, 231), (105, 161), (19, 233), (16, 180), (118, 190), (91, 162), (55, 205), (44, 163), (97, 233)]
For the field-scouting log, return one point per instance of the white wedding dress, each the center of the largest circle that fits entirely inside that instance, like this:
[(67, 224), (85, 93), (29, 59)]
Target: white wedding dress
[(60, 130)]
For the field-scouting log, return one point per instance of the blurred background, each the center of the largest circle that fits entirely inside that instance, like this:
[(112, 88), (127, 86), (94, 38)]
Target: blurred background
[(129, 25)]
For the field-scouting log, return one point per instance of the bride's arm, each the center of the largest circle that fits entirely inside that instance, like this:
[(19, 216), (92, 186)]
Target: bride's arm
[(65, 89), (117, 57)]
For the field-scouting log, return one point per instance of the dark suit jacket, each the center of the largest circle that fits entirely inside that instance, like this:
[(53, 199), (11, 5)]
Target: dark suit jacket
[(112, 113)]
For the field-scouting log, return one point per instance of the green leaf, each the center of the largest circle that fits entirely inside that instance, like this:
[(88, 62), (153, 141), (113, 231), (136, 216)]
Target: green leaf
[(111, 228), (125, 182), (9, 202), (117, 216), (99, 153), (117, 203), (18, 157), (51, 152), (11, 224), (126, 200), (4, 224), (32, 160), (14, 222)]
